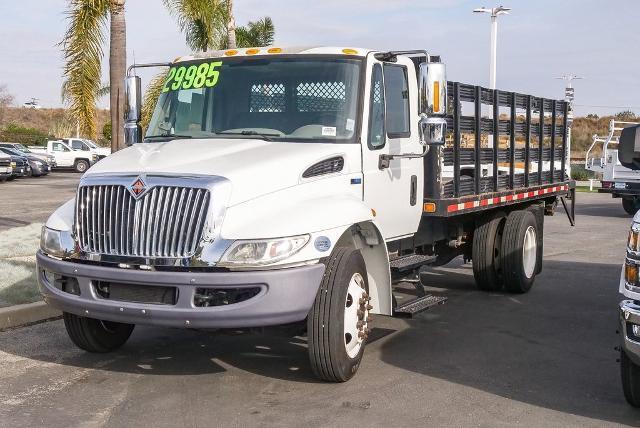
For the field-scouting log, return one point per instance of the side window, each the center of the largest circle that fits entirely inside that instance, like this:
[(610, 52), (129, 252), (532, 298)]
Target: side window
[(77, 145), (376, 113), (396, 89)]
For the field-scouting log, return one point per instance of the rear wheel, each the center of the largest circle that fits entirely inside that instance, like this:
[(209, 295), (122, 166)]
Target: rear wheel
[(630, 206), (519, 257), (337, 326), (486, 250), (81, 165), (95, 335), (630, 374)]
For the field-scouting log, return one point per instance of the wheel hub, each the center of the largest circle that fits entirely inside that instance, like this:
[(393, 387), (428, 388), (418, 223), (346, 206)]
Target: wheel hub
[(356, 315), (529, 251)]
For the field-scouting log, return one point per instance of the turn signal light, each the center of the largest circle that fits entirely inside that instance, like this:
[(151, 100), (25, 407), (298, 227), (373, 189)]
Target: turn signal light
[(231, 52), (252, 51), (631, 274), (349, 51), (275, 50), (429, 207), (436, 96)]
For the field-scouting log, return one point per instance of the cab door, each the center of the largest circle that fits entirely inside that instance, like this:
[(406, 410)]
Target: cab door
[(391, 128), (64, 156)]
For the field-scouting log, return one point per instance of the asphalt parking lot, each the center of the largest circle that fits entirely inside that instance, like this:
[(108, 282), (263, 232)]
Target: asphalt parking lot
[(483, 359), (29, 200)]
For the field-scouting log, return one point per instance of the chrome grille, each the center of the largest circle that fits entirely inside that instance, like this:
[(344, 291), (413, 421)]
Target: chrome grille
[(167, 221)]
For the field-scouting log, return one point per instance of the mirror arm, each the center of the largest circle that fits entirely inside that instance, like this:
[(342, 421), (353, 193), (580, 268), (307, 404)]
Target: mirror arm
[(147, 65), (384, 160)]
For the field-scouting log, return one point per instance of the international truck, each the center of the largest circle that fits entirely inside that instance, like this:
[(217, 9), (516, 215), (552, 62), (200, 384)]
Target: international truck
[(296, 187)]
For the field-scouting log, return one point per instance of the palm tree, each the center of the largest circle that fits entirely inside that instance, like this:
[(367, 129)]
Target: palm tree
[(258, 33), (83, 52), (202, 21)]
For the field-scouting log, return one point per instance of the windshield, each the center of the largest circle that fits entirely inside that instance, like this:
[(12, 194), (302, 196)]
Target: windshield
[(91, 144), (288, 99), (21, 148)]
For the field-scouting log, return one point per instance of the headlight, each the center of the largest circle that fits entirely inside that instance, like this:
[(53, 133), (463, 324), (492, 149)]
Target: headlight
[(262, 251), (13, 165), (56, 243), (38, 163), (94, 157)]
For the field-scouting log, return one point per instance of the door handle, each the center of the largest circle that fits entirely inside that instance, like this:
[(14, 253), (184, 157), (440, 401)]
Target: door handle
[(414, 190)]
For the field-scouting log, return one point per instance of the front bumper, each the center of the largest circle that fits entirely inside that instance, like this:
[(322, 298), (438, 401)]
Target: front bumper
[(22, 171), (630, 315), (286, 295)]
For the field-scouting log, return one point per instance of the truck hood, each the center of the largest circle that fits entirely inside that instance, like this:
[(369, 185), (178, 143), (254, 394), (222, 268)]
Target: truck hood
[(254, 167)]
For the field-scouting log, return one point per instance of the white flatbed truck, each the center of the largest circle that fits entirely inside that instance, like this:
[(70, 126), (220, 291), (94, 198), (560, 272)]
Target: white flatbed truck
[(296, 186)]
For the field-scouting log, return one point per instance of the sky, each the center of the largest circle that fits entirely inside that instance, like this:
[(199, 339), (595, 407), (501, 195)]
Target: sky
[(538, 41)]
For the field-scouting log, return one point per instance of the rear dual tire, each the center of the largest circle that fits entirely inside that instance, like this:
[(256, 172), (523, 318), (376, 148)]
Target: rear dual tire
[(505, 252)]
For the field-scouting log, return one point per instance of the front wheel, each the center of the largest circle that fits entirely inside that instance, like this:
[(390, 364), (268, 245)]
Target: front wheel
[(630, 206), (96, 335), (81, 166), (630, 374), (338, 323)]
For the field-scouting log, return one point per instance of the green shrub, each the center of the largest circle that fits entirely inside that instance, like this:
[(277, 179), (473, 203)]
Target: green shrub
[(578, 173), (15, 133)]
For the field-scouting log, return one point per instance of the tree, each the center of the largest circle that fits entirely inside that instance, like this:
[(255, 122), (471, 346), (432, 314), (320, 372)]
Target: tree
[(258, 33), (6, 99), (202, 21), (231, 26), (83, 52), (626, 115)]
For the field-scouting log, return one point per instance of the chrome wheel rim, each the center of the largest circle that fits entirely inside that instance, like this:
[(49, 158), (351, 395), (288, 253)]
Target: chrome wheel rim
[(356, 314), (529, 251)]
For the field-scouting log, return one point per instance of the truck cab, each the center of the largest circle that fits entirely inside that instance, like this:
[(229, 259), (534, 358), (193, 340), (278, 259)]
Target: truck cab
[(287, 186), (67, 157), (85, 145)]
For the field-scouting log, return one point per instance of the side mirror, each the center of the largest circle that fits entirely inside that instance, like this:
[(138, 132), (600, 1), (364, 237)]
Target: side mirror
[(432, 98), (629, 147), (433, 130), (132, 110), (432, 89)]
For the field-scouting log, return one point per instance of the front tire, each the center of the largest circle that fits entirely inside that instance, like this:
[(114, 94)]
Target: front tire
[(630, 374), (337, 326), (519, 251), (629, 206), (81, 166), (95, 335)]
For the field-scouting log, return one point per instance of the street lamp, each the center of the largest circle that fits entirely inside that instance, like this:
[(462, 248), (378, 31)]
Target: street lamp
[(500, 10)]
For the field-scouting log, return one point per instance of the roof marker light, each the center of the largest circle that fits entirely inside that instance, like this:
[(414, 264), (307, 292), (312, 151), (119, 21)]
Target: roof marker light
[(275, 50), (252, 51), (231, 52), (349, 51)]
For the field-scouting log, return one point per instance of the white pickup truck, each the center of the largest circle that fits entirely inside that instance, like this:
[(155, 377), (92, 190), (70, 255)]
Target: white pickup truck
[(87, 146), (66, 157), (297, 187)]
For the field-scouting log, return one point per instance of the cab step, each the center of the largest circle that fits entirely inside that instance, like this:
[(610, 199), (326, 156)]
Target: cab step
[(417, 305), (409, 263)]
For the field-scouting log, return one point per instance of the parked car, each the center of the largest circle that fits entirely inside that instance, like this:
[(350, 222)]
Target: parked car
[(21, 167), (66, 157), (6, 167), (87, 146), (38, 166), (51, 160)]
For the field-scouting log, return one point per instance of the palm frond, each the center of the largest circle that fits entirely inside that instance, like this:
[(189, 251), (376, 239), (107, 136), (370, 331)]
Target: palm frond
[(151, 95), (256, 33), (82, 47), (200, 21), (103, 90)]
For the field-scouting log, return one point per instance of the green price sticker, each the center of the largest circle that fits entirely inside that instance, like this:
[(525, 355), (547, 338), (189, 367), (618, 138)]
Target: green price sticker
[(193, 77)]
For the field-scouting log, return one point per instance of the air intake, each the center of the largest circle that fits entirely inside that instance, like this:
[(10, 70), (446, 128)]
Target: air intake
[(327, 166)]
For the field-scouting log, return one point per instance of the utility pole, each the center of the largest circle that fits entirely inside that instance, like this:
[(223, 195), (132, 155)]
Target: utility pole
[(500, 10), (568, 97)]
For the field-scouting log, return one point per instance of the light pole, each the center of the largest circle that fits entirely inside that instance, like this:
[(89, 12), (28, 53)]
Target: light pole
[(500, 10)]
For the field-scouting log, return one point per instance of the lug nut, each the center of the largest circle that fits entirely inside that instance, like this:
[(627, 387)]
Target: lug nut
[(360, 314), (361, 335), (369, 307)]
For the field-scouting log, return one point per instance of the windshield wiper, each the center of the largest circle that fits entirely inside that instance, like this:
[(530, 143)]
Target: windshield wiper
[(166, 137), (264, 135)]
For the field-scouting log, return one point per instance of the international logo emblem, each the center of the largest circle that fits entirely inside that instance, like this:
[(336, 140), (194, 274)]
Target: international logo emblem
[(138, 187)]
